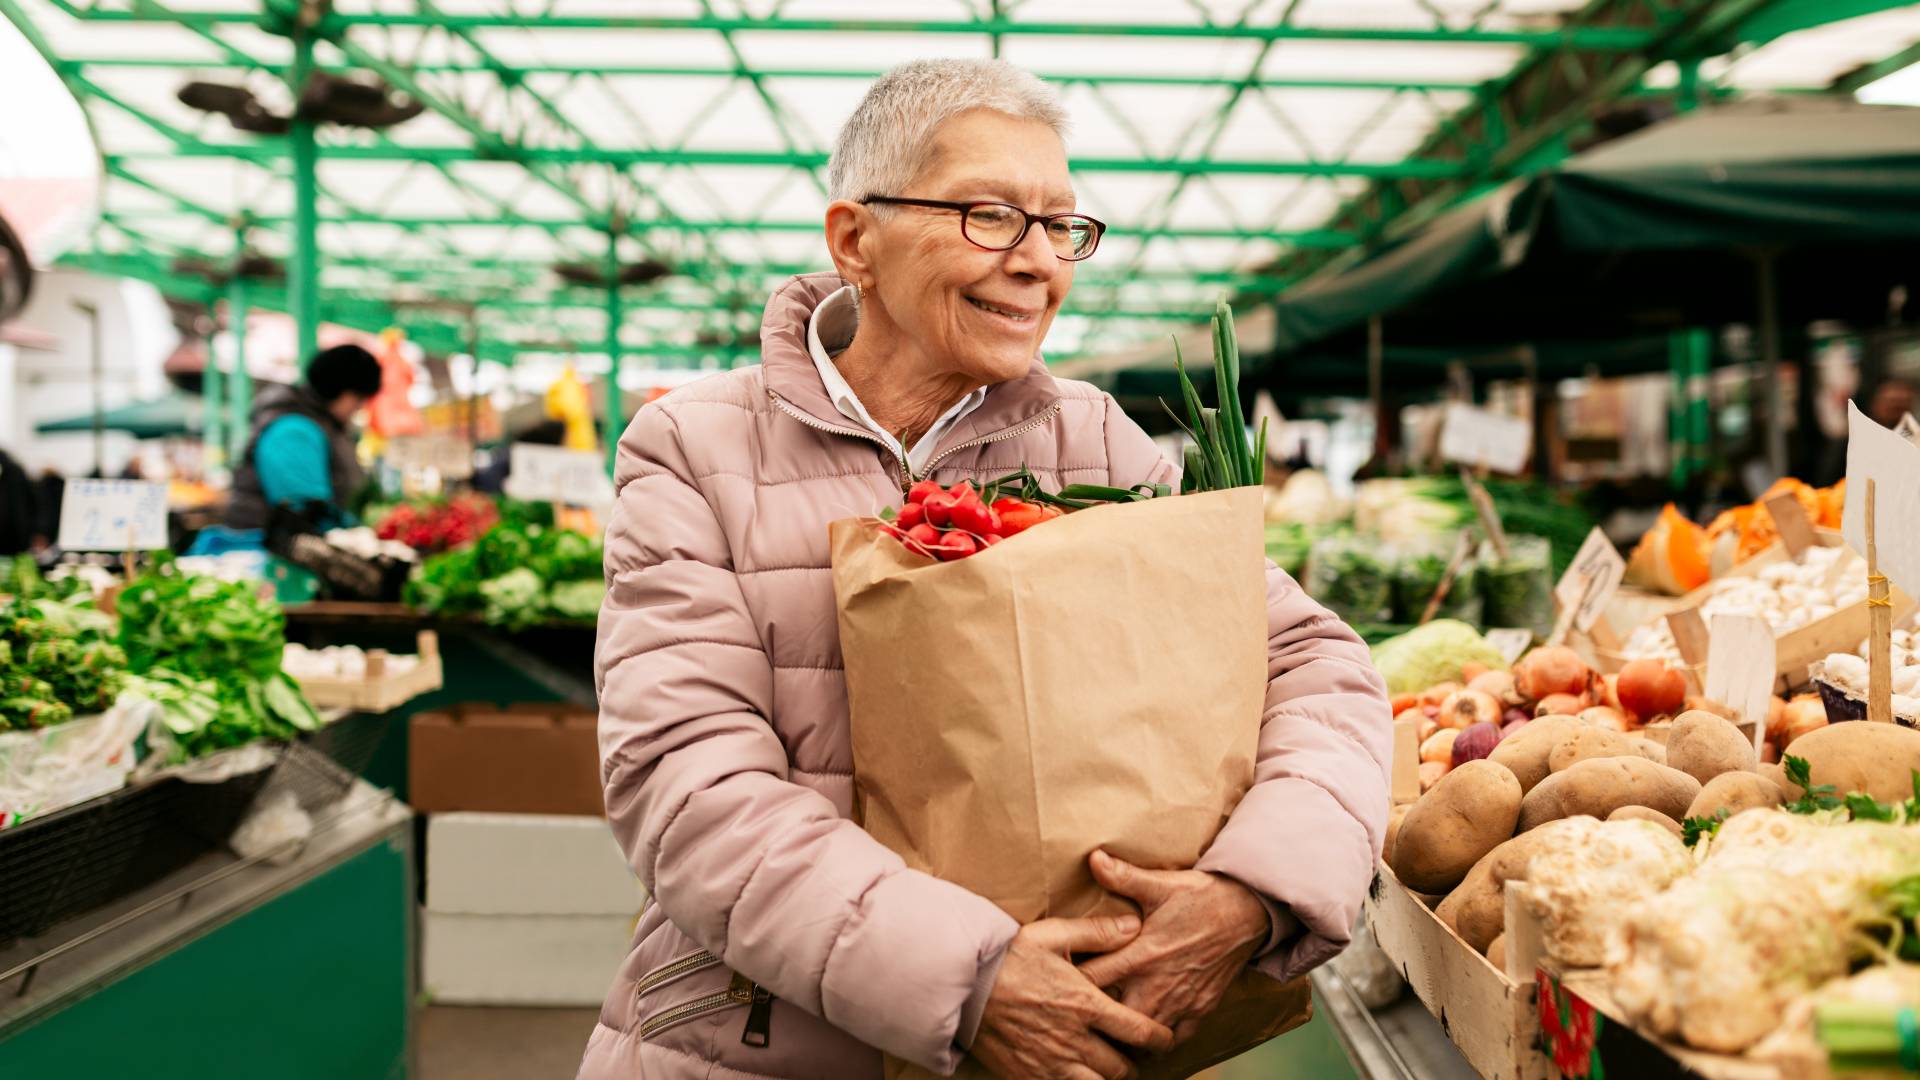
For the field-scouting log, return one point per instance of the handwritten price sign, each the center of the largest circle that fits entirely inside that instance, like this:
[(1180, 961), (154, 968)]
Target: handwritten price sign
[(113, 515), (1476, 438), (556, 474)]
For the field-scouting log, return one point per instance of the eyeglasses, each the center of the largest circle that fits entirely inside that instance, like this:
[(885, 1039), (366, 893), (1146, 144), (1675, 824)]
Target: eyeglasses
[(998, 226)]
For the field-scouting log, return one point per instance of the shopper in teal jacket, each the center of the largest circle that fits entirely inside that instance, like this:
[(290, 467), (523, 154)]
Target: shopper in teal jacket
[(301, 453)]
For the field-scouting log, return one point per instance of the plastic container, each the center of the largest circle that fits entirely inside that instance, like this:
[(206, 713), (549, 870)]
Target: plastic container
[(1419, 571), (1518, 591), (1349, 575)]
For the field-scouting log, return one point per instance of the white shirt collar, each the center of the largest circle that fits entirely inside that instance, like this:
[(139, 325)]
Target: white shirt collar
[(829, 332)]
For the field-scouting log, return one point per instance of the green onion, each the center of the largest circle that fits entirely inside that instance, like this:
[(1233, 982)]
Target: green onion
[(1221, 456)]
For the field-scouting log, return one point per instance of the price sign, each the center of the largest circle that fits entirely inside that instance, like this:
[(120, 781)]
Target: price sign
[(1476, 437), (557, 474), (451, 457), (1740, 669), (1590, 581), (113, 515), (1510, 641), (1874, 453)]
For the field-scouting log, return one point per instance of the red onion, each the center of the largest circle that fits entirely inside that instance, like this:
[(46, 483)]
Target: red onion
[(1475, 742)]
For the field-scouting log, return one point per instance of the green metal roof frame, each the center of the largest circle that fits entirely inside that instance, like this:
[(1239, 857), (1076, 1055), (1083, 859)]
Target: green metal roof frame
[(509, 107)]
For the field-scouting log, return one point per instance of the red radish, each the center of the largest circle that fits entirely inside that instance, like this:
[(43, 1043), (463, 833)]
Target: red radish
[(910, 515), (1561, 705), (1550, 670), (923, 538), (969, 514), (921, 490), (1649, 688), (938, 507), (1467, 707), (955, 545), (991, 539)]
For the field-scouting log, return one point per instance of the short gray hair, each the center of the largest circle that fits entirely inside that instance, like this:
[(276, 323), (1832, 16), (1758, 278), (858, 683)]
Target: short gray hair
[(884, 145)]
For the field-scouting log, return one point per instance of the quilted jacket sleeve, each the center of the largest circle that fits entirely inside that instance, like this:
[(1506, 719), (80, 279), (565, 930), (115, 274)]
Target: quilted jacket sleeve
[(758, 869), (1306, 835)]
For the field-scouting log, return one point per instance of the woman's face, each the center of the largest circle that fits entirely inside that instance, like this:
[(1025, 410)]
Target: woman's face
[(985, 311)]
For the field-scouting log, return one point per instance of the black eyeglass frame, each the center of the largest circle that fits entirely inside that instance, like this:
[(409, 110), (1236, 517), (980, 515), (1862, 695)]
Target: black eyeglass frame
[(966, 210)]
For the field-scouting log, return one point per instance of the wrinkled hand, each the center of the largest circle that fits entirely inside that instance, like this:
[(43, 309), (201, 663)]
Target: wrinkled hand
[(1201, 929), (1043, 1018)]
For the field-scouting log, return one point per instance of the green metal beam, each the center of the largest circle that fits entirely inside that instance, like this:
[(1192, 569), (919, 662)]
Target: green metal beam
[(617, 70), (303, 270), (1792, 15), (1853, 81), (268, 149), (1603, 38)]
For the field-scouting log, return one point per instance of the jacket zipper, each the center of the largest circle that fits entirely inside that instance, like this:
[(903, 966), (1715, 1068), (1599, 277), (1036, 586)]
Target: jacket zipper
[(906, 471), (740, 991), (686, 965), (1039, 419)]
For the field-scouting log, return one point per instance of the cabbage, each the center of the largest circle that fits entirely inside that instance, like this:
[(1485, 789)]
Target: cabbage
[(1431, 654)]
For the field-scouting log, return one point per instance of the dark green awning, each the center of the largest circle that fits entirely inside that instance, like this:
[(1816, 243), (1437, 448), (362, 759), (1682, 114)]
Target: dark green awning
[(175, 414)]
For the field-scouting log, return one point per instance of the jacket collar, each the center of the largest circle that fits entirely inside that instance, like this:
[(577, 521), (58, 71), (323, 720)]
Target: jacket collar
[(789, 372)]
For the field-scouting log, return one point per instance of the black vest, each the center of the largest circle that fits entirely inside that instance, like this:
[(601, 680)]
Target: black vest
[(247, 506)]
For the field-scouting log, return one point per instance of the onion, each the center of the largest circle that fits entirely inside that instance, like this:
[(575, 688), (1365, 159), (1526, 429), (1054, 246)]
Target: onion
[(1514, 715), (1415, 714), (1500, 685), (1437, 693), (1438, 748), (1649, 688), (1562, 705), (1603, 717), (1467, 707), (1471, 670), (1474, 743), (1428, 725), (1803, 714), (1550, 670), (1608, 691), (1512, 727)]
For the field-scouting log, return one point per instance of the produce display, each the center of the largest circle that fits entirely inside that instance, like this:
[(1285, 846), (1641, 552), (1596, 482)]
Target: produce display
[(432, 526), (58, 660), (1788, 595), (337, 661), (1677, 556), (208, 652), (514, 576)]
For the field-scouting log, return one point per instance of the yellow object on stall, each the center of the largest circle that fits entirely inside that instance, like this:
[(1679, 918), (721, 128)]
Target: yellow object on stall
[(567, 402)]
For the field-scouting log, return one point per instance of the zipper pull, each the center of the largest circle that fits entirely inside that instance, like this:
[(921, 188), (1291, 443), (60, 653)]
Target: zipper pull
[(759, 1019)]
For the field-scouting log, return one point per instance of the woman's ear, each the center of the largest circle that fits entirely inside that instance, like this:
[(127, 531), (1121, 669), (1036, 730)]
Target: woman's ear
[(850, 235)]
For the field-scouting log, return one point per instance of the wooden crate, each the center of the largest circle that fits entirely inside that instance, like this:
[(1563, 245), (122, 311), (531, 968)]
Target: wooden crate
[(380, 690), (1487, 1014)]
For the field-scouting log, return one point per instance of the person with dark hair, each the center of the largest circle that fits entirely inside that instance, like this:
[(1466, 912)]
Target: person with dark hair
[(301, 450)]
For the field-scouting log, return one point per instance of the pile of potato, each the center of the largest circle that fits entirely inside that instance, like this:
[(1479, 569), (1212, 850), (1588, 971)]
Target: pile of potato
[(1486, 821)]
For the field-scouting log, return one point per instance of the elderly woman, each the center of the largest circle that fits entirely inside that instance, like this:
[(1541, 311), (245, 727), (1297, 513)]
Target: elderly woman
[(783, 941)]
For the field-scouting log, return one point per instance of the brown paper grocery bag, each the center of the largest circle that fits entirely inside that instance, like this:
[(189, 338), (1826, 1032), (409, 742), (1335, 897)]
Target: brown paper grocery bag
[(1095, 682)]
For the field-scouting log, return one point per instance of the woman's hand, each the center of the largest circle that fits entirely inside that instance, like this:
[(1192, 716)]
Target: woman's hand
[(1044, 1017), (1201, 929)]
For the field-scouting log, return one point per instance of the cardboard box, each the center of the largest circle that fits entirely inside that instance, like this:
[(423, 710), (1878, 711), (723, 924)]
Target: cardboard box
[(524, 760), (528, 864), (560, 960)]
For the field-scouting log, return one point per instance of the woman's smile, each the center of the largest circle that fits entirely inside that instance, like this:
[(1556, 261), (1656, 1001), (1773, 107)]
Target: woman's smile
[(1011, 317)]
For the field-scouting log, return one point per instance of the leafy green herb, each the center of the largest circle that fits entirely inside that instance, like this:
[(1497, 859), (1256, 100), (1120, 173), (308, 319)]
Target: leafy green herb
[(1692, 829), (1818, 797)]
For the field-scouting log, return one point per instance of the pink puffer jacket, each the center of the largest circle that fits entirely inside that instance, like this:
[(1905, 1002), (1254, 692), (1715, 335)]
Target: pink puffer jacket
[(724, 749)]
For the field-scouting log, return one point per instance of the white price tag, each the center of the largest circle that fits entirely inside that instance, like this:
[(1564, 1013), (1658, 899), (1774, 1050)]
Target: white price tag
[(113, 515), (1510, 641), (1476, 437), (1591, 579), (1891, 462), (556, 474), (451, 457), (1741, 668)]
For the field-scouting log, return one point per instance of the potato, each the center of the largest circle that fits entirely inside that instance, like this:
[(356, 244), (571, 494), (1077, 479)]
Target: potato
[(1734, 792), (1649, 749), (1643, 813), (1703, 746), (1596, 742), (1599, 786), (1525, 753), (1860, 755), (1477, 909), (1497, 952), (1394, 817), (1777, 773), (1467, 814)]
